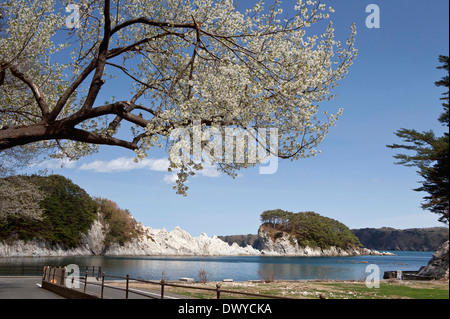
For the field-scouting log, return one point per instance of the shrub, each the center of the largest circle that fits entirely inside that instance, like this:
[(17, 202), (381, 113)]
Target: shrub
[(122, 226)]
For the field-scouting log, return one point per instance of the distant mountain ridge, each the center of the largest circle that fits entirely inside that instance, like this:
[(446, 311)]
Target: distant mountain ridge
[(414, 239)]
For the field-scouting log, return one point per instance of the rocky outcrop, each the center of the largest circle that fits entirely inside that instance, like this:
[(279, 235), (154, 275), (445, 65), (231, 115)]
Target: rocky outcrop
[(38, 248), (94, 241), (153, 242), (285, 245), (149, 242), (177, 242), (438, 265)]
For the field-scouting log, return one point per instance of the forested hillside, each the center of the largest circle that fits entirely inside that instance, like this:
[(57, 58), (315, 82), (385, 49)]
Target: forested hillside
[(421, 239), (53, 208)]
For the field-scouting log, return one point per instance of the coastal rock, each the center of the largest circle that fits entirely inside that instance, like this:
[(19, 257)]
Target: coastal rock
[(37, 248), (438, 265), (95, 239), (177, 242), (153, 242), (149, 242), (285, 245)]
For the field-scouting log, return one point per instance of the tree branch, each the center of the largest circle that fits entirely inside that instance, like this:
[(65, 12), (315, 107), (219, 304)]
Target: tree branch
[(70, 90), (95, 138), (97, 80), (132, 47), (146, 21), (124, 70), (63, 129), (38, 95)]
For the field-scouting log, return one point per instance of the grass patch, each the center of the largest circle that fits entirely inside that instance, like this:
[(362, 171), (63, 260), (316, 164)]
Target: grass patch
[(391, 289), (388, 290)]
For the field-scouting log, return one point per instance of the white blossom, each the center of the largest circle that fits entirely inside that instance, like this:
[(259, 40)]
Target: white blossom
[(20, 199), (182, 60)]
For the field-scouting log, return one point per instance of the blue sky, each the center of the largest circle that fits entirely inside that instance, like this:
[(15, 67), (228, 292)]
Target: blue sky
[(354, 179)]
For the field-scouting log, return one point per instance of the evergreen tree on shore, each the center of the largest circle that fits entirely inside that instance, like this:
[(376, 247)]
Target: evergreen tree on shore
[(431, 156)]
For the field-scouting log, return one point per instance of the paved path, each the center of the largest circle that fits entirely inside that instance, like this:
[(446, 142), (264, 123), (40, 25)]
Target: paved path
[(29, 288), (112, 293), (24, 288)]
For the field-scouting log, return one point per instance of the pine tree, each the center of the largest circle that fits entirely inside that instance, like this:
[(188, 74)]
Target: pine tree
[(431, 156)]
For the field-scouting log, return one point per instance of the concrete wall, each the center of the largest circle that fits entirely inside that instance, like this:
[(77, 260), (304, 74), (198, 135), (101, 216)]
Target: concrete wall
[(54, 280), (67, 292)]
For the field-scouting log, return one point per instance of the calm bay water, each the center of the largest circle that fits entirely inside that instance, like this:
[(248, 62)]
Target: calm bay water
[(238, 268)]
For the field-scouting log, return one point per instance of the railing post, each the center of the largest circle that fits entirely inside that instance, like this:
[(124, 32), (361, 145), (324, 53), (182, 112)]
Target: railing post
[(103, 284), (63, 276), (128, 280), (218, 290), (162, 288), (85, 280)]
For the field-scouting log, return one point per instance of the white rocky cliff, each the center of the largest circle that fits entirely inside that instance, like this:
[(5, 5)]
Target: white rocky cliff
[(177, 242), (153, 242), (150, 242)]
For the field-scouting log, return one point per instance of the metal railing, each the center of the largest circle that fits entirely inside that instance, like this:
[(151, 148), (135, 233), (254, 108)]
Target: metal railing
[(57, 276), (21, 270), (94, 271)]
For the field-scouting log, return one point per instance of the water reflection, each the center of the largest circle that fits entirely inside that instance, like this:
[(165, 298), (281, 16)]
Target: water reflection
[(238, 268)]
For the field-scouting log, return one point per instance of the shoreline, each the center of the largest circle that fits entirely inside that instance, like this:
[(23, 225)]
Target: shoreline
[(188, 255), (42, 248)]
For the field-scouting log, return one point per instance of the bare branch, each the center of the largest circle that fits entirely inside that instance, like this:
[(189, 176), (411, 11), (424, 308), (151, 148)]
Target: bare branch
[(97, 81), (95, 138), (124, 70), (112, 53), (146, 21), (38, 95), (70, 90)]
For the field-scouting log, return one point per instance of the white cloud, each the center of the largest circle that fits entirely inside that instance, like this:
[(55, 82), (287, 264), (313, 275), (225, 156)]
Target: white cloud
[(170, 179), (55, 163), (209, 171), (124, 164)]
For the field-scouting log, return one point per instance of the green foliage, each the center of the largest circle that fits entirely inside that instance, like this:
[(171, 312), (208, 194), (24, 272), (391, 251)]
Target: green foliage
[(431, 157), (122, 227), (310, 229), (68, 212)]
